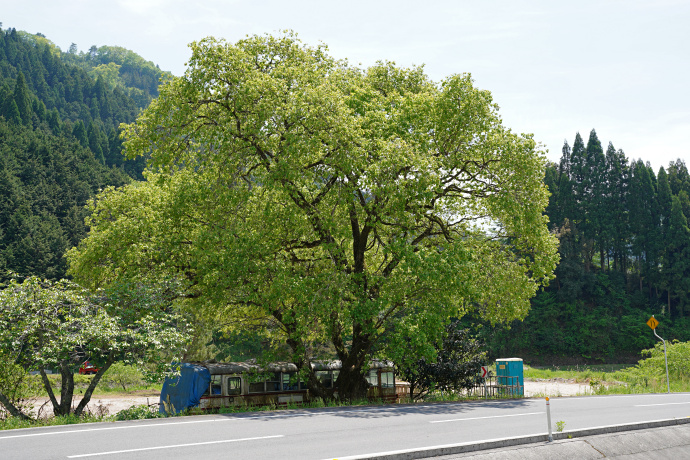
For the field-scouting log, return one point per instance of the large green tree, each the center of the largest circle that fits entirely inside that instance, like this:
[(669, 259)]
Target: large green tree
[(344, 210)]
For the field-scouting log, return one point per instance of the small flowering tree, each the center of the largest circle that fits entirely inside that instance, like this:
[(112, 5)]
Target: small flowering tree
[(58, 325)]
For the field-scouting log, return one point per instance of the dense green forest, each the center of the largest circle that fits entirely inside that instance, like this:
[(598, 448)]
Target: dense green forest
[(623, 229), (59, 142), (625, 255)]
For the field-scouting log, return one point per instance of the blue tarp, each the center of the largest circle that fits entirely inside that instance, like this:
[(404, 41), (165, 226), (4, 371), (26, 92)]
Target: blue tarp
[(186, 389)]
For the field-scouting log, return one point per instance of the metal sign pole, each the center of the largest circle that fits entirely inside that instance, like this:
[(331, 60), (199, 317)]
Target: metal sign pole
[(653, 323), (668, 385), (484, 374)]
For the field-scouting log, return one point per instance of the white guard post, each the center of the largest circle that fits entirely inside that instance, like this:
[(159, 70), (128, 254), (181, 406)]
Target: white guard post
[(548, 418)]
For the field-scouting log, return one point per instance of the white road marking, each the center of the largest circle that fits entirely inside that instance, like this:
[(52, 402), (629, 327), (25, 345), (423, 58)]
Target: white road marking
[(480, 418), (84, 430), (662, 404), (223, 419), (96, 454), (593, 397)]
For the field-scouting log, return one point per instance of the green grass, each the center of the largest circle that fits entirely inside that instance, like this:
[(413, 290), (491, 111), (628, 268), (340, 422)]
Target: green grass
[(12, 423), (105, 387), (639, 385), (579, 374), (610, 378), (573, 372)]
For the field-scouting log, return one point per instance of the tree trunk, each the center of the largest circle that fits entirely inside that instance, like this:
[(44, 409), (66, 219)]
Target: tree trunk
[(650, 288), (351, 383), (92, 386), (11, 408), (48, 388), (66, 391), (302, 361)]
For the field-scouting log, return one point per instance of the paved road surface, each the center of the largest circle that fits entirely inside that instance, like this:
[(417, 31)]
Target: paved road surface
[(333, 433)]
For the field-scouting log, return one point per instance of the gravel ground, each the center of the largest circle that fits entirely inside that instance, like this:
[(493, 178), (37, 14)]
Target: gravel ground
[(556, 387)]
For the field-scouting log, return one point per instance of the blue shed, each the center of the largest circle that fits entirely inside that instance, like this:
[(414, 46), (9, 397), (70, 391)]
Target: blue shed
[(509, 372)]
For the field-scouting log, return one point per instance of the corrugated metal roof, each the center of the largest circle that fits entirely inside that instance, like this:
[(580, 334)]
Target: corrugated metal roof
[(239, 368)]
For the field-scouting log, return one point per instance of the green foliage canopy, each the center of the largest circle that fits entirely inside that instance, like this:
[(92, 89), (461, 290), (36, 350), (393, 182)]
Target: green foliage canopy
[(343, 209)]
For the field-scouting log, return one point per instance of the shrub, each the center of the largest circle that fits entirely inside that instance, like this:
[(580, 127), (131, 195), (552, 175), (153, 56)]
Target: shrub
[(651, 371), (139, 412), (459, 355), (17, 386), (122, 375)]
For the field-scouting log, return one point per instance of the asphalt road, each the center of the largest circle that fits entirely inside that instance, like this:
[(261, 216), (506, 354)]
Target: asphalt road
[(321, 434)]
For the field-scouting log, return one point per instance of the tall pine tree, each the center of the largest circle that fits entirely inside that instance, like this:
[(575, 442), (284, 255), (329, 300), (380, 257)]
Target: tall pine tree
[(676, 260)]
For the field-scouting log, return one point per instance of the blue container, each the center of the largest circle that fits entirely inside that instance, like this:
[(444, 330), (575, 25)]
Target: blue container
[(510, 375)]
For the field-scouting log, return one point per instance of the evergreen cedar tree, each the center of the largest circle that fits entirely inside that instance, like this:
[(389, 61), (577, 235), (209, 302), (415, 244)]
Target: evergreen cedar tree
[(621, 261), (60, 144), (342, 211), (101, 89)]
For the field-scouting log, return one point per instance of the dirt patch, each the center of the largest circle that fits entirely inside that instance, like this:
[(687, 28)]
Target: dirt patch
[(556, 387), (101, 405)]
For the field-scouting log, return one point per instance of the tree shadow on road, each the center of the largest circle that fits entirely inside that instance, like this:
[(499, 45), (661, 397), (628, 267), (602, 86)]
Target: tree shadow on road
[(390, 410)]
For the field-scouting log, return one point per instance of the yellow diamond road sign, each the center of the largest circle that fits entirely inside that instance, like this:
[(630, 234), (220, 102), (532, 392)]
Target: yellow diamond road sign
[(652, 322)]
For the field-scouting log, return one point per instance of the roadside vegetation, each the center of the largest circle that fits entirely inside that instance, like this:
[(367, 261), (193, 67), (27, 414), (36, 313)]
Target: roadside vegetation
[(647, 376), (26, 391)]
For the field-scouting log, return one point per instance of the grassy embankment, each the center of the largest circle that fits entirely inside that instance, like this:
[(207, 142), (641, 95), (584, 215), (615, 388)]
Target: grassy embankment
[(648, 376)]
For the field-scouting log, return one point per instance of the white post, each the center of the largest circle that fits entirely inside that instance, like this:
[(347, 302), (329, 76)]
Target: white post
[(548, 418)]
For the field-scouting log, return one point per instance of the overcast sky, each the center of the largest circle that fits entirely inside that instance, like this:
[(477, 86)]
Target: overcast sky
[(555, 68)]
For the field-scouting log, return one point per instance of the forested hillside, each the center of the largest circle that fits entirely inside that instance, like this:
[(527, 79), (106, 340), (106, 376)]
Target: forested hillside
[(59, 142), (625, 255)]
